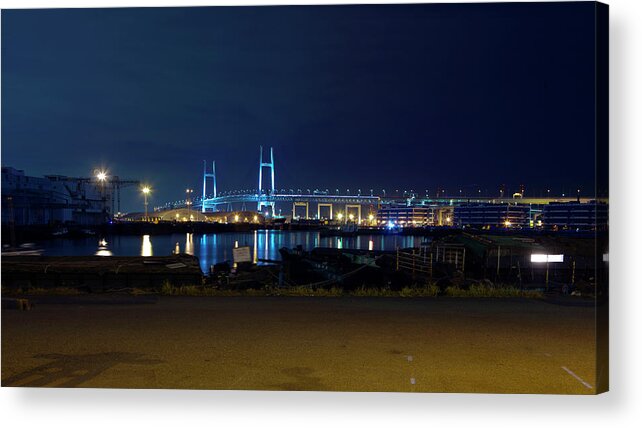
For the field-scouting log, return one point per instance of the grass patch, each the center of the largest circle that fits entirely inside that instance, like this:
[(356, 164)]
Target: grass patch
[(480, 290), (371, 292), (427, 290), (302, 290), (37, 291)]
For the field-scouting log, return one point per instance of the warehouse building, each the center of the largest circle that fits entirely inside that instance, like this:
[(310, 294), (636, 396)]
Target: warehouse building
[(50, 200), (591, 215), (487, 215), (406, 215)]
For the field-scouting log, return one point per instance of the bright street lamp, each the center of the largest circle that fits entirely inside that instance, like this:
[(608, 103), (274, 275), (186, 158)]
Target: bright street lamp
[(188, 202), (101, 176), (145, 191)]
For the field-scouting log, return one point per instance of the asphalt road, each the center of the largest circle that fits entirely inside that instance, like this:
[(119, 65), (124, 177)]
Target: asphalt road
[(292, 343)]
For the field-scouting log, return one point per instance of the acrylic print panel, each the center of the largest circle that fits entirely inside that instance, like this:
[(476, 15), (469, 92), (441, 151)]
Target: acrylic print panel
[(406, 198)]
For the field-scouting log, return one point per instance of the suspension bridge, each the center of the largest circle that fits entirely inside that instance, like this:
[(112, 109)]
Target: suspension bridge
[(323, 204)]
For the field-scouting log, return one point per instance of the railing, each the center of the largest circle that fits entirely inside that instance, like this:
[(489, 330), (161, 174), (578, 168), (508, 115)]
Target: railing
[(416, 261), (420, 261)]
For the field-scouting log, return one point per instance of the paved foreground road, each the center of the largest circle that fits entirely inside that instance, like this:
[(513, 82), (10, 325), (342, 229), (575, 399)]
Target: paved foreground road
[(288, 343)]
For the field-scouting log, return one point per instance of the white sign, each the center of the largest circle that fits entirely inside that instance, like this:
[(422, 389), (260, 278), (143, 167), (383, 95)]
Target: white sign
[(242, 254), (547, 258)]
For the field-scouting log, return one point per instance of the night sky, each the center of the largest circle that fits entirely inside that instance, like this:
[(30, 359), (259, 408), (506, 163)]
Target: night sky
[(395, 97)]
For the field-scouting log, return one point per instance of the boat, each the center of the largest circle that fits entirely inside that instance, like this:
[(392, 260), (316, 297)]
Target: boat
[(60, 232), (26, 249)]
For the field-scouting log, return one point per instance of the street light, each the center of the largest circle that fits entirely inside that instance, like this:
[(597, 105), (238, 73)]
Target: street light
[(101, 176), (145, 191), (188, 202)]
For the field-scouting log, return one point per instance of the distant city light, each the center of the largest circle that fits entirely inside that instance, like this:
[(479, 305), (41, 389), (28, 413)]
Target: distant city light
[(101, 175)]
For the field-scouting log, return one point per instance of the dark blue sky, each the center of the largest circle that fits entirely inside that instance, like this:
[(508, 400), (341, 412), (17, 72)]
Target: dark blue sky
[(401, 96)]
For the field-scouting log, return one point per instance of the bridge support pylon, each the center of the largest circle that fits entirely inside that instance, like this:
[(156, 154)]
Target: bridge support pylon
[(301, 204), (358, 208), (207, 175), (271, 190), (319, 206)]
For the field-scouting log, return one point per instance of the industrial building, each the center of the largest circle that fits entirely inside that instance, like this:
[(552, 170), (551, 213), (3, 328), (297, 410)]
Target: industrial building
[(406, 215), (592, 215), (51, 200), (492, 215)]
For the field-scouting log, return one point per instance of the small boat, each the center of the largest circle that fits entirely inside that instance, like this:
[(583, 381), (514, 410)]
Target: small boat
[(60, 232), (27, 249)]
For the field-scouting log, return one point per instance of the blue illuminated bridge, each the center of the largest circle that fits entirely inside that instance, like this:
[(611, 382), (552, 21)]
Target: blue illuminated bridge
[(319, 204)]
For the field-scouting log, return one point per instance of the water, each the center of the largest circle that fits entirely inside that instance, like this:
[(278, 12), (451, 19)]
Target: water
[(217, 247)]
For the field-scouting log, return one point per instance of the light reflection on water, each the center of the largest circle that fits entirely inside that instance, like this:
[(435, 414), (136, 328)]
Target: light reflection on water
[(217, 248), (146, 249)]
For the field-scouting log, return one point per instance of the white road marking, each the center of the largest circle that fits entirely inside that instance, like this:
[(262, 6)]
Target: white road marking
[(586, 384)]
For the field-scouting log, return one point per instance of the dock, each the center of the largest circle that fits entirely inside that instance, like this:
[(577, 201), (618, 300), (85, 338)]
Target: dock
[(97, 274)]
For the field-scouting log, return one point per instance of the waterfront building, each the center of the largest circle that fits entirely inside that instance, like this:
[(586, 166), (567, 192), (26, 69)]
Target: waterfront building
[(51, 200), (591, 215), (406, 215), (483, 215)]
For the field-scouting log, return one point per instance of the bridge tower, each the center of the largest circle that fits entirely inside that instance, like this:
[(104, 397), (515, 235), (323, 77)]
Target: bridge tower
[(207, 175), (262, 165)]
